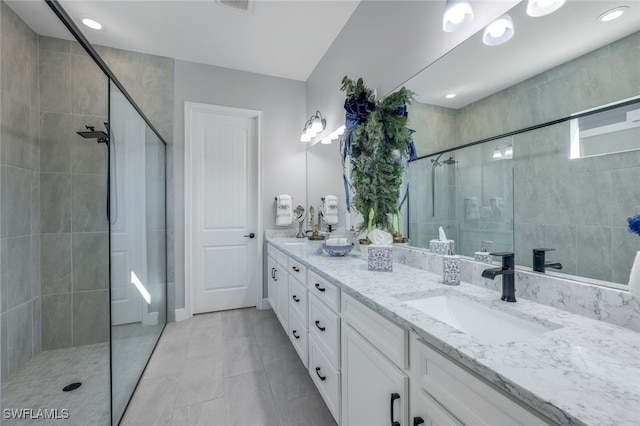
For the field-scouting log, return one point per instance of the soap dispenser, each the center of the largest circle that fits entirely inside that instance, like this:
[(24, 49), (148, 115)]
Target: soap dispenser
[(451, 269), (483, 255)]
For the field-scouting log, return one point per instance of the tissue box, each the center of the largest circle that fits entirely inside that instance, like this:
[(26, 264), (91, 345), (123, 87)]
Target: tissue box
[(441, 247), (380, 258)]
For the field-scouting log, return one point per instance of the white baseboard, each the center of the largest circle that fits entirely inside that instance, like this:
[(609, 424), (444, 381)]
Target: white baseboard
[(180, 314)]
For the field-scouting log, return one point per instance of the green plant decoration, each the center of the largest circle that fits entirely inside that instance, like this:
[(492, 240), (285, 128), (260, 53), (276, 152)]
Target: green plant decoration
[(378, 141)]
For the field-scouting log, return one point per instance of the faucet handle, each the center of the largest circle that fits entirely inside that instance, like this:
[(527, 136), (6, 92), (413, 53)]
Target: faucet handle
[(508, 258), (542, 250)]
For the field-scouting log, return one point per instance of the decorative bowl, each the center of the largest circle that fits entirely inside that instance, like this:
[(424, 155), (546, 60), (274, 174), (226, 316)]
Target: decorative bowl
[(337, 250)]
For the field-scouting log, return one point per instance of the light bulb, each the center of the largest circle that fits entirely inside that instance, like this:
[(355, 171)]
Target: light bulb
[(497, 153), (305, 137), (457, 14), (310, 132), (538, 8), (316, 125), (92, 23), (326, 140), (612, 14), (499, 31), (508, 151)]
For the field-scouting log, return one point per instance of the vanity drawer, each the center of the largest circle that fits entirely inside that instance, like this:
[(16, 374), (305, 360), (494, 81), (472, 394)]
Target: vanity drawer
[(327, 292), (325, 377), (466, 396), (324, 325), (298, 299), (387, 337), (297, 270), (299, 337), (282, 259)]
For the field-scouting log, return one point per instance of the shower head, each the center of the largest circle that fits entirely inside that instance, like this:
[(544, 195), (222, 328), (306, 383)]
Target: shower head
[(449, 161), (92, 133)]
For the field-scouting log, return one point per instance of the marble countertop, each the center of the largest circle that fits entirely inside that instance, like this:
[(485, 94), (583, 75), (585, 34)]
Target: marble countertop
[(583, 372)]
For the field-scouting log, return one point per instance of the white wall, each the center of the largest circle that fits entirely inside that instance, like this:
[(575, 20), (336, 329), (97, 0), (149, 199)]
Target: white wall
[(386, 43), (282, 102)]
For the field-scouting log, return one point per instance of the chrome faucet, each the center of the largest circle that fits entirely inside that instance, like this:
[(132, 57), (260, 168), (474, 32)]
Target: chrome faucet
[(508, 275), (539, 263)]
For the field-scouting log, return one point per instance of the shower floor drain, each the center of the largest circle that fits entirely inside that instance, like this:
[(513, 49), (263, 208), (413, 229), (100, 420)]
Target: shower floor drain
[(71, 387)]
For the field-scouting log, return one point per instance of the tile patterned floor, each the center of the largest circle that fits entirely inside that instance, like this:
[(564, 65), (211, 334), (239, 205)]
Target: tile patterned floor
[(228, 368), (39, 386)]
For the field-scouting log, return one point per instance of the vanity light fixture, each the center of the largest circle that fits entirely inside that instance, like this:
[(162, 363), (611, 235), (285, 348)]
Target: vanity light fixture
[(326, 140), (312, 127), (457, 14), (93, 24), (612, 14), (538, 8), (497, 153), (450, 96), (499, 31), (508, 151)]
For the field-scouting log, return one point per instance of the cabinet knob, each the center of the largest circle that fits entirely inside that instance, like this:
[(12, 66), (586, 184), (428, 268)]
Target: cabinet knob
[(322, 289), (320, 328), (417, 421), (295, 268), (295, 298), (294, 334)]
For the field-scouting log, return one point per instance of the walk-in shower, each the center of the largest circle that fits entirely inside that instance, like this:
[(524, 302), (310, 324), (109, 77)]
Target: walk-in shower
[(83, 242), (437, 163)]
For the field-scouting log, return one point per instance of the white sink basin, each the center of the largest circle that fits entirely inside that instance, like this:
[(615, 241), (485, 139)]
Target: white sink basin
[(488, 325)]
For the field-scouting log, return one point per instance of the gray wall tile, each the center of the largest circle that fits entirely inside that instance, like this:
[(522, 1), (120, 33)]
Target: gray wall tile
[(55, 142), (594, 252), (55, 199), (37, 326), (89, 88), (625, 245), (19, 271), (35, 203), (3, 275), (89, 203), (90, 261), (16, 73), (90, 317), (19, 336), (158, 93), (54, 44), (16, 133), (56, 321), (17, 201), (55, 263), (35, 139), (36, 284), (55, 80), (3, 345)]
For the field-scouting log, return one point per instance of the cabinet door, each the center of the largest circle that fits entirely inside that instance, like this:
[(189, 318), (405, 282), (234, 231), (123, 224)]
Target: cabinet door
[(427, 412), (272, 267), (374, 391)]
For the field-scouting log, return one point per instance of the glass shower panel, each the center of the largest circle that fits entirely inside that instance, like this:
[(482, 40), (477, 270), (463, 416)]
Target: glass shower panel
[(138, 247)]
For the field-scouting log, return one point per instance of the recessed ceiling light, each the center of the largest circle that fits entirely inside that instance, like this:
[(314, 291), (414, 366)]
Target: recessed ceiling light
[(538, 8), (612, 14), (450, 96), (499, 31), (93, 24)]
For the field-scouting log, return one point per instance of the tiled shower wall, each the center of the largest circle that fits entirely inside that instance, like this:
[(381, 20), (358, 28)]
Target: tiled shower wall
[(20, 193), (54, 259)]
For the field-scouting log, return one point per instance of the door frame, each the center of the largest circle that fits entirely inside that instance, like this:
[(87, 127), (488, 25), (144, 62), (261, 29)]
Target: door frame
[(189, 107)]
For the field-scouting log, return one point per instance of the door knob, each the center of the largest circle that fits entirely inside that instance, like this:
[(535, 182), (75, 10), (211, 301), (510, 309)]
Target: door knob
[(251, 235)]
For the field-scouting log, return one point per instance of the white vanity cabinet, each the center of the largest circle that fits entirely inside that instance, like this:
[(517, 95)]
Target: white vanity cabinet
[(444, 393), (375, 387)]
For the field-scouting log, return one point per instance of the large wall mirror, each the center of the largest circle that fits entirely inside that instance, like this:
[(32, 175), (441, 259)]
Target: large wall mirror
[(562, 184), (324, 177)]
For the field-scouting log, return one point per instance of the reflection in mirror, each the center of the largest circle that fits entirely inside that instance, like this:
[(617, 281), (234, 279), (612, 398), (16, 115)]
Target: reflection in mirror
[(324, 177), (469, 193), (577, 206)]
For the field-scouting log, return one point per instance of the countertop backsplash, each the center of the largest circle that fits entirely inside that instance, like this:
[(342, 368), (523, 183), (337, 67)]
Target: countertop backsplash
[(614, 306)]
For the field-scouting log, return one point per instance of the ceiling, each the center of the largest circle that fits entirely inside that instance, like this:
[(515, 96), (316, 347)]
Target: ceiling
[(279, 38)]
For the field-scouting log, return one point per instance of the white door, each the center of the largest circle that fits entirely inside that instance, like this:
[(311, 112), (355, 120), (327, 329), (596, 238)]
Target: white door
[(221, 207), (127, 212)]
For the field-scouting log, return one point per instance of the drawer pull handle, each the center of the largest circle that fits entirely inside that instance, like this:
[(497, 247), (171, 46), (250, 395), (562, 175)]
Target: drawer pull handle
[(295, 268), (394, 396), (323, 378), (320, 328), (295, 298), (322, 289), (273, 273), (417, 421), (294, 334)]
